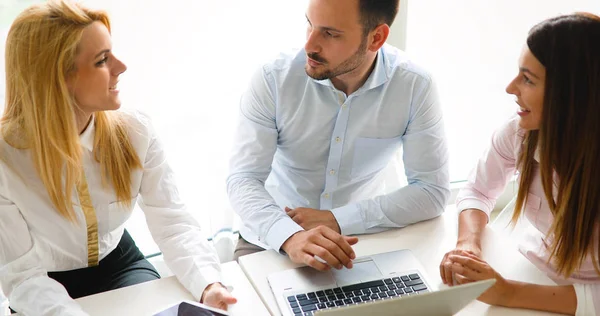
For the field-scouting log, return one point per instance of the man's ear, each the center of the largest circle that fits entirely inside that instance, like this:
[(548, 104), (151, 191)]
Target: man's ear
[(378, 36)]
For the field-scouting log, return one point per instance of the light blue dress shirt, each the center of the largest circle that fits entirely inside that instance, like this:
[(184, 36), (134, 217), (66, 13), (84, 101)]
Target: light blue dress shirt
[(303, 143)]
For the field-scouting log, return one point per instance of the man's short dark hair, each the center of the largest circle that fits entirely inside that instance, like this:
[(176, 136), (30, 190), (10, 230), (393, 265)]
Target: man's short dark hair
[(376, 12)]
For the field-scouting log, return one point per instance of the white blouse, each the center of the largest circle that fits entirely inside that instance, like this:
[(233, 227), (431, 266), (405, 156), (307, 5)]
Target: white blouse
[(35, 238)]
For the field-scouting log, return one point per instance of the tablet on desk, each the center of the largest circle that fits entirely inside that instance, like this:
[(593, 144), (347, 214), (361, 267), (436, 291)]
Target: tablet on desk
[(189, 308)]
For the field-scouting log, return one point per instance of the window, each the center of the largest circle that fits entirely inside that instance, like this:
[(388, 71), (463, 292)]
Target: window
[(472, 48), (189, 61)]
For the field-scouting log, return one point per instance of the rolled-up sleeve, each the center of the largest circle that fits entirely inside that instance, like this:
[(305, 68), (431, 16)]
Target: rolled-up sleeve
[(26, 284), (493, 171), (250, 164), (186, 250)]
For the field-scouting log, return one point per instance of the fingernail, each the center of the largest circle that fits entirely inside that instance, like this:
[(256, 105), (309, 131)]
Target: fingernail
[(353, 256)]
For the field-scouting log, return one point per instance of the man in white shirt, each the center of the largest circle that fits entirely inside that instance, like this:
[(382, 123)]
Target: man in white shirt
[(318, 126)]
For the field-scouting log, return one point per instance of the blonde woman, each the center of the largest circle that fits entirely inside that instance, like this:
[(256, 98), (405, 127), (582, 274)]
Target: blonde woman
[(554, 144), (71, 170)]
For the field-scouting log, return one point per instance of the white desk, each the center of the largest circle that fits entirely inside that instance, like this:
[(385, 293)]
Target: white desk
[(429, 241), (150, 297)]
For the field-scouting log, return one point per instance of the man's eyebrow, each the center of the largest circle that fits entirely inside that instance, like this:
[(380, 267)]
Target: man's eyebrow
[(325, 28)]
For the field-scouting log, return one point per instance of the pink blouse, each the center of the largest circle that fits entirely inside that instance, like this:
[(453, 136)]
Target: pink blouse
[(487, 181)]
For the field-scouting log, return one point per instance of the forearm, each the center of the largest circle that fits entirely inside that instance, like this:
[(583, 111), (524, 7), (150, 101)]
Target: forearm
[(259, 211), (24, 279), (550, 298), (471, 224), (405, 206), (251, 201), (41, 295), (185, 249)]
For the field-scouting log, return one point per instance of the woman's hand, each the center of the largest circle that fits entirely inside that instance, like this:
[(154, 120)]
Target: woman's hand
[(445, 266), (216, 295), (471, 225), (469, 268)]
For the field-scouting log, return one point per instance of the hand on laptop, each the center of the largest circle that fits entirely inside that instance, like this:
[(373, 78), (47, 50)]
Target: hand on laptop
[(321, 241), (469, 268), (217, 295), (446, 265), (310, 218)]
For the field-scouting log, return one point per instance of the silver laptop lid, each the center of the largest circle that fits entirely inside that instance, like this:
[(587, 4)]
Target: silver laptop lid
[(296, 289), (443, 302)]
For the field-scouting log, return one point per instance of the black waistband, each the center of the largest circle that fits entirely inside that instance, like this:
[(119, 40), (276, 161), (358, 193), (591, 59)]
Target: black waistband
[(124, 266), (87, 281)]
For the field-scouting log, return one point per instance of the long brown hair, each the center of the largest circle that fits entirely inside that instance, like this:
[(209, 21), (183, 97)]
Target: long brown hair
[(40, 112), (568, 139)]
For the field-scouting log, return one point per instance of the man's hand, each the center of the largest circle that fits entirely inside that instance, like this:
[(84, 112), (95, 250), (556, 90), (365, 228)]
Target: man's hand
[(216, 295), (303, 246), (310, 218)]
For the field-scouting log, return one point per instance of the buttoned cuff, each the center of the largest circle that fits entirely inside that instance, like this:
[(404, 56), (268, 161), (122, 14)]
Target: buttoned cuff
[(473, 203), (281, 230), (349, 219)]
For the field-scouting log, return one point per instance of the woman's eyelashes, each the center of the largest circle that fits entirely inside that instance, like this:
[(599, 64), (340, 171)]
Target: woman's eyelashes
[(102, 62)]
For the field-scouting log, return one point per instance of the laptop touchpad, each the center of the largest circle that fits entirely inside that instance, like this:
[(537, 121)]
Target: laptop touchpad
[(361, 272)]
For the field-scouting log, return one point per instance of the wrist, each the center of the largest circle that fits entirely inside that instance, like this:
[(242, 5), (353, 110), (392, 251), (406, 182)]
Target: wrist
[(334, 223), (287, 242), (472, 246), (512, 293), (470, 241)]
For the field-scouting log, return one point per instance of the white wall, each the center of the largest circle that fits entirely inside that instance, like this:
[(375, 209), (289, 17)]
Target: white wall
[(472, 48), (397, 35)]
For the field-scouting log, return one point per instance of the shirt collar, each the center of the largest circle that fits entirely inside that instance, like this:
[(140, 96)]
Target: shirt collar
[(87, 137), (378, 76)]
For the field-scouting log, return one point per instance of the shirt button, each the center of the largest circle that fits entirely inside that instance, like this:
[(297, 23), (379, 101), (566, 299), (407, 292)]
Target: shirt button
[(332, 172), (326, 195), (337, 139)]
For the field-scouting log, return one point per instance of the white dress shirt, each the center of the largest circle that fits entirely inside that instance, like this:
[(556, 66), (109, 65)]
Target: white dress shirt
[(35, 238), (303, 143)]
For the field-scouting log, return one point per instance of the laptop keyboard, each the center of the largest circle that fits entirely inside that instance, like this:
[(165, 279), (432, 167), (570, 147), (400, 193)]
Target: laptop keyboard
[(389, 288)]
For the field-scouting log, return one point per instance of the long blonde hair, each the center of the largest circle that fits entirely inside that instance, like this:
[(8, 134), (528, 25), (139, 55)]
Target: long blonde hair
[(567, 140), (40, 111)]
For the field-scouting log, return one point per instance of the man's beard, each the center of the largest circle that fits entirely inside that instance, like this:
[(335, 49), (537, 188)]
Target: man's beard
[(345, 67)]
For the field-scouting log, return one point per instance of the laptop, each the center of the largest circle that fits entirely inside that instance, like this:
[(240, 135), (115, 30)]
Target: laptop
[(381, 284), (444, 302)]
